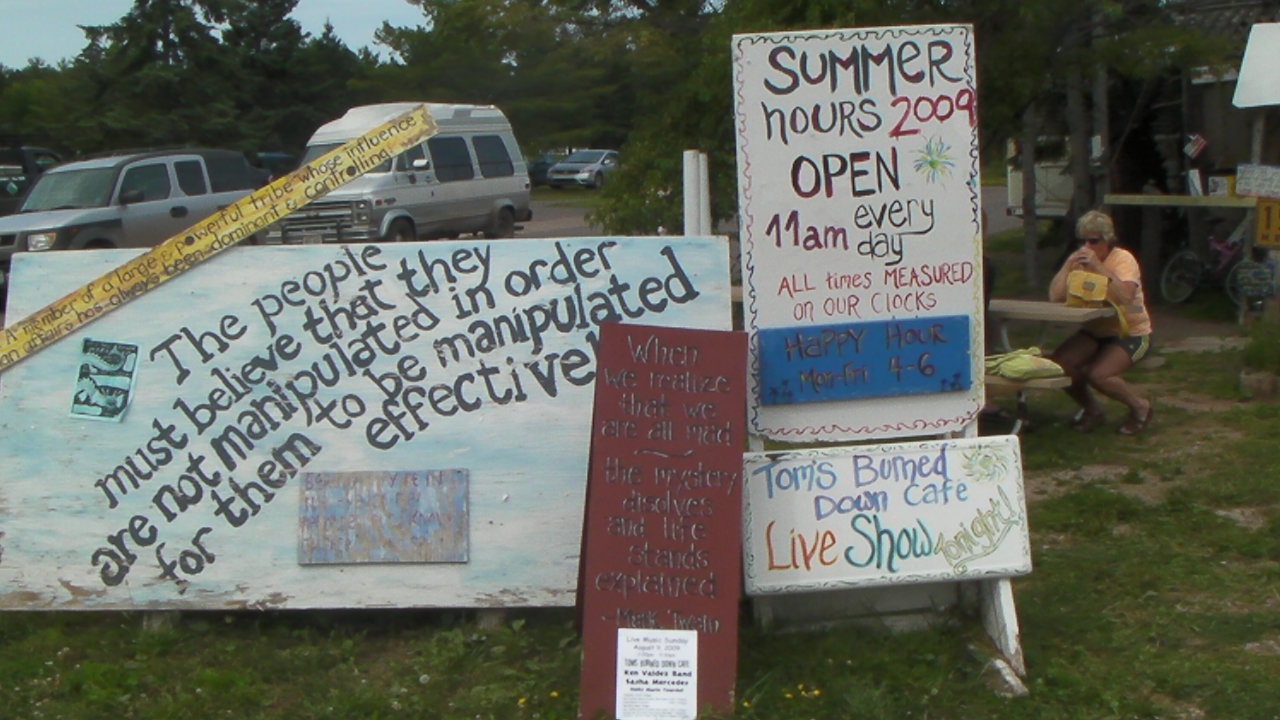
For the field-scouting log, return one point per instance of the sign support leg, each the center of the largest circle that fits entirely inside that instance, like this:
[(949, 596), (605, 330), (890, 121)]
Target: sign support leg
[(1000, 619)]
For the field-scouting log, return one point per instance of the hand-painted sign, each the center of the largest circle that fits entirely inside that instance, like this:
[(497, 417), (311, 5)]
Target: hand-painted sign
[(664, 506), (1256, 280), (858, 165), (863, 360), (303, 417), (1268, 223), (1258, 180), (885, 515)]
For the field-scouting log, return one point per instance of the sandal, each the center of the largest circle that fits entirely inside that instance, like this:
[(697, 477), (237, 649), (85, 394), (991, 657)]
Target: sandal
[(1089, 421), (1134, 424)]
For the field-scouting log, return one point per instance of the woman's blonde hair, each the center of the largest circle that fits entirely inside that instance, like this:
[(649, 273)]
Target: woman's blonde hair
[(1096, 222)]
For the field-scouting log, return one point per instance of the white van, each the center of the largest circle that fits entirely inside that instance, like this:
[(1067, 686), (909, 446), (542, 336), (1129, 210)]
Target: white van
[(470, 177)]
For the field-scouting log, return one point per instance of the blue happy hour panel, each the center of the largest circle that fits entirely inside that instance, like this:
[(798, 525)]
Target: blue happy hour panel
[(863, 360)]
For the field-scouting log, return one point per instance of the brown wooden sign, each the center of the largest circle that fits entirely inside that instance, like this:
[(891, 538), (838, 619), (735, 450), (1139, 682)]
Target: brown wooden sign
[(662, 539)]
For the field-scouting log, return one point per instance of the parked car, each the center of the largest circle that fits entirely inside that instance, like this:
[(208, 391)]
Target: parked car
[(587, 168), (469, 177), (540, 165), (135, 199), (20, 165)]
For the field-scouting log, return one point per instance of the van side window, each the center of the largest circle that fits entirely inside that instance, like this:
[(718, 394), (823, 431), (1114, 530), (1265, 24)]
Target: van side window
[(230, 171), (404, 161), (190, 177), (151, 180), (494, 159), (451, 159)]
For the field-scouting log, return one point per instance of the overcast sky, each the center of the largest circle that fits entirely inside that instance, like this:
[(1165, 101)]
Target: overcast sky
[(47, 28)]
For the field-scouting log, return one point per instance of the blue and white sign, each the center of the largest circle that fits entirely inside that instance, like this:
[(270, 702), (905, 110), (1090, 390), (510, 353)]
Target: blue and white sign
[(303, 419), (864, 360)]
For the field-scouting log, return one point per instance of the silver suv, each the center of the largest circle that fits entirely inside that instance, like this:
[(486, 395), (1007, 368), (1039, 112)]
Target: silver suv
[(136, 199)]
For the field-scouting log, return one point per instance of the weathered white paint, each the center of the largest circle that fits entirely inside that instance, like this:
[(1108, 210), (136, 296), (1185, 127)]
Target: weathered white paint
[(1000, 620), (859, 202), (884, 515), (1257, 84), (1257, 180), (525, 452)]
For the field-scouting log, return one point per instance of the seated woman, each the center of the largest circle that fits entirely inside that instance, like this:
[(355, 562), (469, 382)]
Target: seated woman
[(1096, 356)]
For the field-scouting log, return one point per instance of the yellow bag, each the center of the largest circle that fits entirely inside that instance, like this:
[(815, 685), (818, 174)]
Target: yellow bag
[(1086, 289)]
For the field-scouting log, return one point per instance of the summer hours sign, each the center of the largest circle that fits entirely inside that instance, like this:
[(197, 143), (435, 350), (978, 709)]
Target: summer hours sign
[(325, 426), (858, 159), (884, 515)]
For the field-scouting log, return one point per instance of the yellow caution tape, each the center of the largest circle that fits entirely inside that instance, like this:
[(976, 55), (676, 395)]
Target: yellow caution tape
[(213, 234)]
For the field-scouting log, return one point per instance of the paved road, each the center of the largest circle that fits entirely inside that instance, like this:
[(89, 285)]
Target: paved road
[(555, 219)]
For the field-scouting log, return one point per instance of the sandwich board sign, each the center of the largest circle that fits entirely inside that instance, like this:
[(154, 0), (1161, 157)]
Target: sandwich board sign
[(661, 571), (861, 242), (888, 514)]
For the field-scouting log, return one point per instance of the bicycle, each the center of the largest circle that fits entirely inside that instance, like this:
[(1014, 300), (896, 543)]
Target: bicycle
[(1187, 270)]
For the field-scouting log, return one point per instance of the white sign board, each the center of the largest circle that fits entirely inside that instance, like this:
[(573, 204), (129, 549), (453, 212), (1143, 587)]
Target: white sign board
[(1257, 83), (861, 241), (657, 674), (1255, 180), (395, 425), (884, 515)]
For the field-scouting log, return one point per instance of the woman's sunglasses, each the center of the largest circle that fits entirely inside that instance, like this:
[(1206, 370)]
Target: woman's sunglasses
[(1092, 240)]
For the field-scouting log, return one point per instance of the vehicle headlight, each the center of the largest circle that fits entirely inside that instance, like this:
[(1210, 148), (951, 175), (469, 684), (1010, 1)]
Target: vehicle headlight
[(41, 240), (362, 208)]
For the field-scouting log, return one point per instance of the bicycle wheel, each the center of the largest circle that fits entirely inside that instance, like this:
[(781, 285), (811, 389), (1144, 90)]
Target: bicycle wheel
[(1249, 281), (1231, 284), (1180, 276)]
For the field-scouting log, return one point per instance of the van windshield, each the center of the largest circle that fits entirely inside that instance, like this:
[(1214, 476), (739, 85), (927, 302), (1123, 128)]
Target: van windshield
[(70, 189), (315, 151)]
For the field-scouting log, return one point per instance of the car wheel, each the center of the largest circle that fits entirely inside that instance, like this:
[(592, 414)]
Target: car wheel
[(597, 182), (503, 225), (401, 230)]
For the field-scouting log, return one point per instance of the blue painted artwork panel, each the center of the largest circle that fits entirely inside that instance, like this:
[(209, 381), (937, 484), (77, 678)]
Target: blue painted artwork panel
[(383, 517), (914, 356)]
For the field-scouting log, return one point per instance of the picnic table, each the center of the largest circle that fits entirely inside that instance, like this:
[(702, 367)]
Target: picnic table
[(1005, 312)]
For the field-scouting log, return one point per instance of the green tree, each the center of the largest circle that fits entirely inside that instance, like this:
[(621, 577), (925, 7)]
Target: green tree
[(287, 82), (33, 102), (148, 90), (558, 83)]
